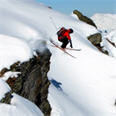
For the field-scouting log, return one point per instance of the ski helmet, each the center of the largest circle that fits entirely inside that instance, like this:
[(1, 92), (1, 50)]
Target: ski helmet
[(71, 30)]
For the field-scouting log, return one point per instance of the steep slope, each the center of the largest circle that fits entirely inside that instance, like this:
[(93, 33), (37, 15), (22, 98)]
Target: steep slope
[(88, 82)]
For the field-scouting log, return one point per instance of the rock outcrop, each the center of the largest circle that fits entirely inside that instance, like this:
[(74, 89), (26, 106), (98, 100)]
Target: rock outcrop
[(84, 18), (95, 39), (32, 83)]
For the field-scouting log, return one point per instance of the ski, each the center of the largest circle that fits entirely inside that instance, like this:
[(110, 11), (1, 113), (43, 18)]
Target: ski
[(73, 49), (61, 48)]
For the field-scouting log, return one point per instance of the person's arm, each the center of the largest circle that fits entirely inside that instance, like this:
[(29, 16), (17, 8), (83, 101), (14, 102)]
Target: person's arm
[(69, 38), (70, 43)]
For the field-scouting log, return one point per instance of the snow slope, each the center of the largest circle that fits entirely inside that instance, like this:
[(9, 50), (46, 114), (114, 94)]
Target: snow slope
[(106, 24), (19, 107), (88, 82), (105, 21), (11, 51)]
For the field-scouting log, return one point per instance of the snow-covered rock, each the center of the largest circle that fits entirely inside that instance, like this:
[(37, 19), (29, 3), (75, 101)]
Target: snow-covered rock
[(88, 82)]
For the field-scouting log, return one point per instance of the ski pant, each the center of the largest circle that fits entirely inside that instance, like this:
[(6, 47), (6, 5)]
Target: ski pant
[(64, 41)]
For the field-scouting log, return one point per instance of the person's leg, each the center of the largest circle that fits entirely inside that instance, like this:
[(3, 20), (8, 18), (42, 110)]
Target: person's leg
[(64, 42)]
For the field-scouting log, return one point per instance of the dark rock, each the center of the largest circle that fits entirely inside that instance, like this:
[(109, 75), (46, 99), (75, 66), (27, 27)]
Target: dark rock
[(95, 39), (112, 43), (84, 18), (13, 67), (3, 71), (101, 48), (11, 82), (32, 83), (49, 7), (7, 98)]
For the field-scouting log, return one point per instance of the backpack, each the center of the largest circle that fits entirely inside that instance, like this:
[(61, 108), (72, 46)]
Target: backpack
[(61, 31)]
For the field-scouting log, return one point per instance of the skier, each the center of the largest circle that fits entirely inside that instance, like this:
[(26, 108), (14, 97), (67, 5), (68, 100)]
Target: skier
[(64, 37)]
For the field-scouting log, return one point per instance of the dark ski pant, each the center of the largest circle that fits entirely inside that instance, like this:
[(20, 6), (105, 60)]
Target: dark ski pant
[(64, 41)]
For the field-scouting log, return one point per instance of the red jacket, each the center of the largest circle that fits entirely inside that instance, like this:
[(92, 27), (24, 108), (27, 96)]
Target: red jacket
[(65, 34)]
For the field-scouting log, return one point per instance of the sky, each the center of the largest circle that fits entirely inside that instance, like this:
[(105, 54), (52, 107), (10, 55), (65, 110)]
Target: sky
[(87, 7)]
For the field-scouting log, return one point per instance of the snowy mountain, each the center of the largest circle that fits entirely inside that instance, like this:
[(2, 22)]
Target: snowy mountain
[(87, 83), (106, 24), (105, 21)]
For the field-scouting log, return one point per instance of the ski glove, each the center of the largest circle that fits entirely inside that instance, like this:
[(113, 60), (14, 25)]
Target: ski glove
[(70, 43)]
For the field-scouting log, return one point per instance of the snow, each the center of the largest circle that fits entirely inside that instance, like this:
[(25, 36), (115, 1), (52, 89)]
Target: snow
[(11, 51), (106, 24), (88, 81), (105, 21), (62, 98), (19, 107), (4, 88), (10, 74)]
